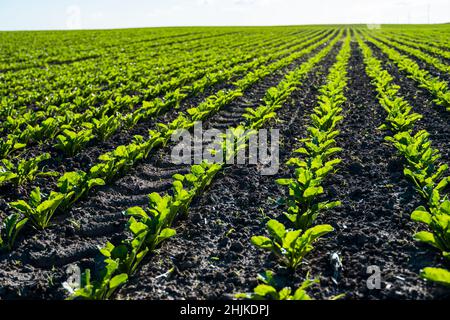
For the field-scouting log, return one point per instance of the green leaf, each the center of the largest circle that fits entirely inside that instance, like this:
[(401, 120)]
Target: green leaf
[(136, 212), (95, 182), (276, 228), (136, 227), (263, 290), (178, 176), (118, 280), (441, 276), (155, 198), (167, 233), (421, 215), (197, 170), (51, 204), (301, 294), (261, 242), (312, 192), (320, 230), (22, 206), (291, 237), (427, 237), (35, 197), (284, 182), (107, 249), (444, 182)]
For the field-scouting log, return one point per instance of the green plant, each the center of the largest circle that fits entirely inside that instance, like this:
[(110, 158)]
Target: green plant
[(148, 229), (39, 211), (50, 127), (186, 186), (438, 220), (319, 144), (326, 115), (9, 230), (154, 223), (399, 118), (24, 171), (290, 246), (71, 142), (9, 144), (304, 189), (121, 159), (258, 116), (268, 289), (76, 184), (421, 167), (108, 281), (105, 126)]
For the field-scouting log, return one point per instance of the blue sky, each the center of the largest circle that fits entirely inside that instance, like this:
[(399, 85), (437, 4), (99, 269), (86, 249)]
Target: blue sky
[(93, 14)]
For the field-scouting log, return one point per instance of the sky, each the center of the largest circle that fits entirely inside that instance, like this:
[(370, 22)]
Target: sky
[(105, 14)]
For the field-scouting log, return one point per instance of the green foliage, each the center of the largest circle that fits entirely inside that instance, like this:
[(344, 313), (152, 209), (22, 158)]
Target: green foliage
[(438, 221), (422, 168), (399, 118), (71, 142), (185, 187), (104, 127), (290, 246), (438, 275), (108, 281), (148, 228), (10, 144), (304, 189), (38, 210), (268, 289), (24, 172), (9, 230), (75, 185)]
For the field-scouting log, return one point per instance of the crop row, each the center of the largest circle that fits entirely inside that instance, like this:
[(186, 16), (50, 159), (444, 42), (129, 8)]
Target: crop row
[(111, 102), (420, 45), (303, 202), (64, 56), (420, 54), (429, 38), (434, 85), (421, 165)]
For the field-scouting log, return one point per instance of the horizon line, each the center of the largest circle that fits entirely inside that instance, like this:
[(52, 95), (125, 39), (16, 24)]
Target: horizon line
[(227, 26)]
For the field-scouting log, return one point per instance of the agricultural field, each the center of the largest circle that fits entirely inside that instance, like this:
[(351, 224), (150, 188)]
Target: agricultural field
[(92, 205)]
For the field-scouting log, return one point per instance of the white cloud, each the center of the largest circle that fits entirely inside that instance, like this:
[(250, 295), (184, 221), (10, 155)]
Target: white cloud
[(204, 2)]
